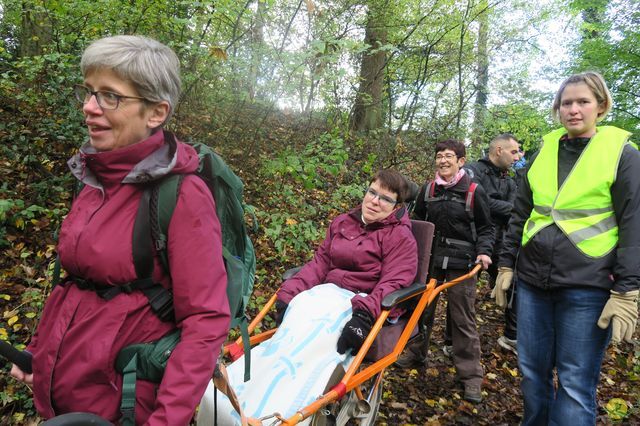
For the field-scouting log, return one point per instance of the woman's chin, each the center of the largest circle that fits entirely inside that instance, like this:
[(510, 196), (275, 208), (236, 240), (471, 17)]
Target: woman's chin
[(101, 145)]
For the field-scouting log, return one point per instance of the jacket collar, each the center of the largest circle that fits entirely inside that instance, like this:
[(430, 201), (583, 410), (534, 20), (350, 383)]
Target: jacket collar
[(141, 162), (397, 216), (494, 169)]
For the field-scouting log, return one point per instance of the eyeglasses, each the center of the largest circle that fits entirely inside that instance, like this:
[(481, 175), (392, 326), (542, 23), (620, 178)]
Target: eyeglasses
[(445, 156), (106, 100), (372, 193)]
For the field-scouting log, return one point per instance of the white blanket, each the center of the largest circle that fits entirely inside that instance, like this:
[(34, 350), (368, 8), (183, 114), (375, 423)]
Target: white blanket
[(290, 370)]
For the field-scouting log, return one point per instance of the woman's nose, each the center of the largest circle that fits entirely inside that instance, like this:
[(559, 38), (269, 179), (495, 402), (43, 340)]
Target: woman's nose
[(573, 108), (92, 106)]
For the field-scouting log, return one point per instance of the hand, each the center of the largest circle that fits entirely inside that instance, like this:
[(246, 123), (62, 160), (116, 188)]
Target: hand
[(621, 311), (484, 260), (17, 373), (281, 308), (355, 331), (503, 282)]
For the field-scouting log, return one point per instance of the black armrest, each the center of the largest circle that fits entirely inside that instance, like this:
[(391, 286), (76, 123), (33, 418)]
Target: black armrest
[(290, 273), (400, 295)]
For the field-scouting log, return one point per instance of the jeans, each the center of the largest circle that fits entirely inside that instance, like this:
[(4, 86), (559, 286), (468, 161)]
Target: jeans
[(557, 329)]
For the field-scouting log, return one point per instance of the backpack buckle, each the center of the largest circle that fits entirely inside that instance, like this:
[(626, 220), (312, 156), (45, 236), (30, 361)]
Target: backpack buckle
[(162, 305), (160, 243), (126, 288)]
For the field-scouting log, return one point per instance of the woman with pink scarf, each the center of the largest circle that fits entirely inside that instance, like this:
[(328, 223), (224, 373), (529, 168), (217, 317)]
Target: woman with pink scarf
[(459, 210)]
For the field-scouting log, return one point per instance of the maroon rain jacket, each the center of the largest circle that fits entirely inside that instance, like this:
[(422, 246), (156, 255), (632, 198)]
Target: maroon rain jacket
[(376, 259), (80, 334)]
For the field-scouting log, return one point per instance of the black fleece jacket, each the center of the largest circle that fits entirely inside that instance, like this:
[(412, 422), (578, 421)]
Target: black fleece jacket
[(452, 221), (551, 261), (499, 186)]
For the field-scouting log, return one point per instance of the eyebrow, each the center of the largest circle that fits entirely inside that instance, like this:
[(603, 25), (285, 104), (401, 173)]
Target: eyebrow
[(107, 89)]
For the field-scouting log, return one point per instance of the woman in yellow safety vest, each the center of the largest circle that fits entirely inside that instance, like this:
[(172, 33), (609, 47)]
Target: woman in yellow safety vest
[(574, 242)]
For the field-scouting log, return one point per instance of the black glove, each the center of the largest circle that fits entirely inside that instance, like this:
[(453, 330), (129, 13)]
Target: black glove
[(355, 331), (281, 308)]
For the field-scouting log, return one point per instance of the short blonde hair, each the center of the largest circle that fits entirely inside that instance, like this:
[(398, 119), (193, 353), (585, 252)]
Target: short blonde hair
[(598, 87)]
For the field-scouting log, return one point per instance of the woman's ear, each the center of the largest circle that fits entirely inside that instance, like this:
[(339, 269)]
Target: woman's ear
[(461, 161), (158, 114)]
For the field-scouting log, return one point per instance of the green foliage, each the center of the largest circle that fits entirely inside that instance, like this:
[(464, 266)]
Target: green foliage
[(326, 156), (244, 63), (299, 213), (525, 122), (292, 235), (610, 44)]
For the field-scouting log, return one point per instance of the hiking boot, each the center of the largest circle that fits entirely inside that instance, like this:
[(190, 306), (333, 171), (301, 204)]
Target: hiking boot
[(472, 393), (413, 357), (448, 350), (508, 344)]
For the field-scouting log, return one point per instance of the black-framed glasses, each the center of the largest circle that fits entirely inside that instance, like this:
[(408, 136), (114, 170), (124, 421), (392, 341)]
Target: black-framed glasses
[(372, 193), (105, 99), (448, 157)]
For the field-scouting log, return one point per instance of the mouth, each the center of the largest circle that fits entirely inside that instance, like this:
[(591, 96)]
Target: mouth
[(95, 129), (369, 209)]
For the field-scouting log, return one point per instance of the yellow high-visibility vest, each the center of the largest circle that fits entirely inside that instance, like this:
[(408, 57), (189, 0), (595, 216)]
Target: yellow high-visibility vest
[(582, 208)]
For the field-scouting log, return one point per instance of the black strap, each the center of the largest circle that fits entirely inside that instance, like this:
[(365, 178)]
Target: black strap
[(160, 299), (142, 248)]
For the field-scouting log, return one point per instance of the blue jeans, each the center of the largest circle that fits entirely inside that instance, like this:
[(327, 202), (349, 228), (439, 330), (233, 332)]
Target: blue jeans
[(557, 329)]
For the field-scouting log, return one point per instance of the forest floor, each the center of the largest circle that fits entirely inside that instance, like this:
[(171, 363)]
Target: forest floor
[(425, 396)]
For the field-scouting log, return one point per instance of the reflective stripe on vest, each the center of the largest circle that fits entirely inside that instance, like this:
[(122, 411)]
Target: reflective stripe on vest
[(582, 208)]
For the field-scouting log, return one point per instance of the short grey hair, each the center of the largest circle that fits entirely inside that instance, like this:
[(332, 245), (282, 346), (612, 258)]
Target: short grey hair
[(152, 67)]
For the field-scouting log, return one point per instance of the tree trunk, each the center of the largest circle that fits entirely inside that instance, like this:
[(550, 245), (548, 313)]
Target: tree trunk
[(257, 45), (367, 110), (35, 30), (482, 76)]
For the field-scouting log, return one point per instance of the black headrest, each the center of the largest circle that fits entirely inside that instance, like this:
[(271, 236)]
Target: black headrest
[(414, 188)]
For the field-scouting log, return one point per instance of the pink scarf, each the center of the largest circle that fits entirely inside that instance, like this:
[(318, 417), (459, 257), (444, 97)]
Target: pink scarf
[(452, 182)]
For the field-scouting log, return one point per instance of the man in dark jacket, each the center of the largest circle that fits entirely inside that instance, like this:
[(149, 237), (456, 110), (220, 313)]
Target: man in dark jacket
[(492, 173)]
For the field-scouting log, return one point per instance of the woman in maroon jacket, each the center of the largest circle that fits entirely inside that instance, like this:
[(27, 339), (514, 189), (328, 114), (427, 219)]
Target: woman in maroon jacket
[(368, 250), (131, 86)]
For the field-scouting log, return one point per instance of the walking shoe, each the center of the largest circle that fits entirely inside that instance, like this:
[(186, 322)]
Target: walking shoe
[(508, 344), (412, 357), (448, 350), (472, 393)]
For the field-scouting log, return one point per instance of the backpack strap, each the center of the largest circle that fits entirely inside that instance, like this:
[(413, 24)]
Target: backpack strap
[(429, 193), (468, 207), (160, 299), (128, 402), (162, 204)]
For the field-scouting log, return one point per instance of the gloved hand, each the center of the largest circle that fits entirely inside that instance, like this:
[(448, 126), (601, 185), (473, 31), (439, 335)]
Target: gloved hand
[(281, 308), (621, 310), (503, 282), (355, 331)]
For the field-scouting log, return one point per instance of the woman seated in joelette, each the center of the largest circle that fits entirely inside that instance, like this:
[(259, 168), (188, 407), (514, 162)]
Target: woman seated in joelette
[(368, 250)]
